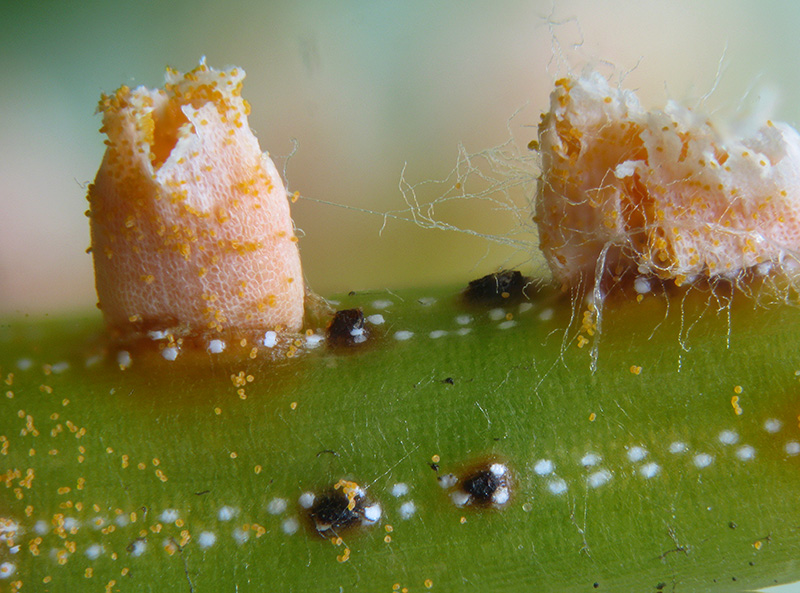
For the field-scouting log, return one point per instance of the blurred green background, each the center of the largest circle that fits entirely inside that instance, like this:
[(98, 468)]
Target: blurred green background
[(364, 88)]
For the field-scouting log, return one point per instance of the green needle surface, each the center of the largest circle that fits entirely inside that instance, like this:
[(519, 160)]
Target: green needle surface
[(674, 467)]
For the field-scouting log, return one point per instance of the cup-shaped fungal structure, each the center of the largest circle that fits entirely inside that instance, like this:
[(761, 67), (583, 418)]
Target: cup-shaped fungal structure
[(190, 221), (661, 193)]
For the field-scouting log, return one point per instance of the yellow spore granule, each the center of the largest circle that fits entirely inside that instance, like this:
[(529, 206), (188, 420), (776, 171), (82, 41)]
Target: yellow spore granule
[(665, 194), (190, 220)]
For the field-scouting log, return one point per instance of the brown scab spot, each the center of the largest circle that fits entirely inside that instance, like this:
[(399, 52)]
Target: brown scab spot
[(483, 485), (504, 287), (347, 329), (341, 508)]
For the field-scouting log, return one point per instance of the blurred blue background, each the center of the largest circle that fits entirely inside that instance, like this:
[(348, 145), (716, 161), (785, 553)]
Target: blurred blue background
[(364, 88)]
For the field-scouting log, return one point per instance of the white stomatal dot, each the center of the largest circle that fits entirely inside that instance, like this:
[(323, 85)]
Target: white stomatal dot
[(290, 526), (702, 460), (557, 486), (241, 536), (306, 500), (649, 470), (399, 489), (226, 513), (728, 437), (169, 515), (447, 481), (276, 506), (372, 513), (206, 539), (459, 498), (544, 467), (407, 510), (590, 459), (270, 339), (599, 478), (677, 447), (636, 453), (215, 346), (745, 453), (501, 496), (497, 314)]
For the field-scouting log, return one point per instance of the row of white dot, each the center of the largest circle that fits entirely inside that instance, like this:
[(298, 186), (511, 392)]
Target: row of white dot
[(545, 467)]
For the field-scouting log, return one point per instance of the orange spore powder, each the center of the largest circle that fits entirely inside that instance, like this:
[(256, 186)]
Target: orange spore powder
[(661, 193), (190, 221)]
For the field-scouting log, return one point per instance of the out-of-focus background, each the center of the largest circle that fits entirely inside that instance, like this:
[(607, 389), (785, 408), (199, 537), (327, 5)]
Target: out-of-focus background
[(365, 88)]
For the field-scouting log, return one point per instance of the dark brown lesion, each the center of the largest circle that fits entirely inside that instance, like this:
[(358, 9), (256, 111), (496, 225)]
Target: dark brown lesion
[(501, 288), (482, 484), (347, 329), (341, 509)]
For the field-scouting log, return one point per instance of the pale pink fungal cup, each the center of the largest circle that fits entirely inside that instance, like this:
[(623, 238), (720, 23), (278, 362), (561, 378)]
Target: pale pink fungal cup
[(190, 221), (665, 194)]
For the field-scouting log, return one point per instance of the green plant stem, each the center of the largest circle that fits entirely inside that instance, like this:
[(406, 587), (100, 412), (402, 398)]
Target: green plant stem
[(110, 451)]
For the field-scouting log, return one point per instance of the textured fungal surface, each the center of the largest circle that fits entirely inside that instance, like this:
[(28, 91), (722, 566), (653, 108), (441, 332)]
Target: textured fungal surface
[(663, 193), (190, 220)]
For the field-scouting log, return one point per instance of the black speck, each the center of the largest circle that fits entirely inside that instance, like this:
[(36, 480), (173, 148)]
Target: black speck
[(734, 579), (331, 514), (596, 585), (660, 586), (500, 288), (481, 486), (751, 563), (449, 380), (732, 525), (202, 492), (435, 467), (347, 329)]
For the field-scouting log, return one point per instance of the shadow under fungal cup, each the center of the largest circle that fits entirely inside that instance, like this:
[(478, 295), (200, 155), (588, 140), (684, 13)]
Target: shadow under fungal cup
[(190, 223)]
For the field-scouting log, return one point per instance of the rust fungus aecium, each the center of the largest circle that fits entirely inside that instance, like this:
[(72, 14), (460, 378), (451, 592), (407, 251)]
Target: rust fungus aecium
[(664, 194), (190, 221)]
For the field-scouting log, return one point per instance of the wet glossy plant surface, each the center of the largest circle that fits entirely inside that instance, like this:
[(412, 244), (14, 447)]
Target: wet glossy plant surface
[(673, 467)]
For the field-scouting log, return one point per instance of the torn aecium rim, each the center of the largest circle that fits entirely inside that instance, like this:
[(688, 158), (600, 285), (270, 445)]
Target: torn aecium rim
[(661, 194), (190, 223)]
